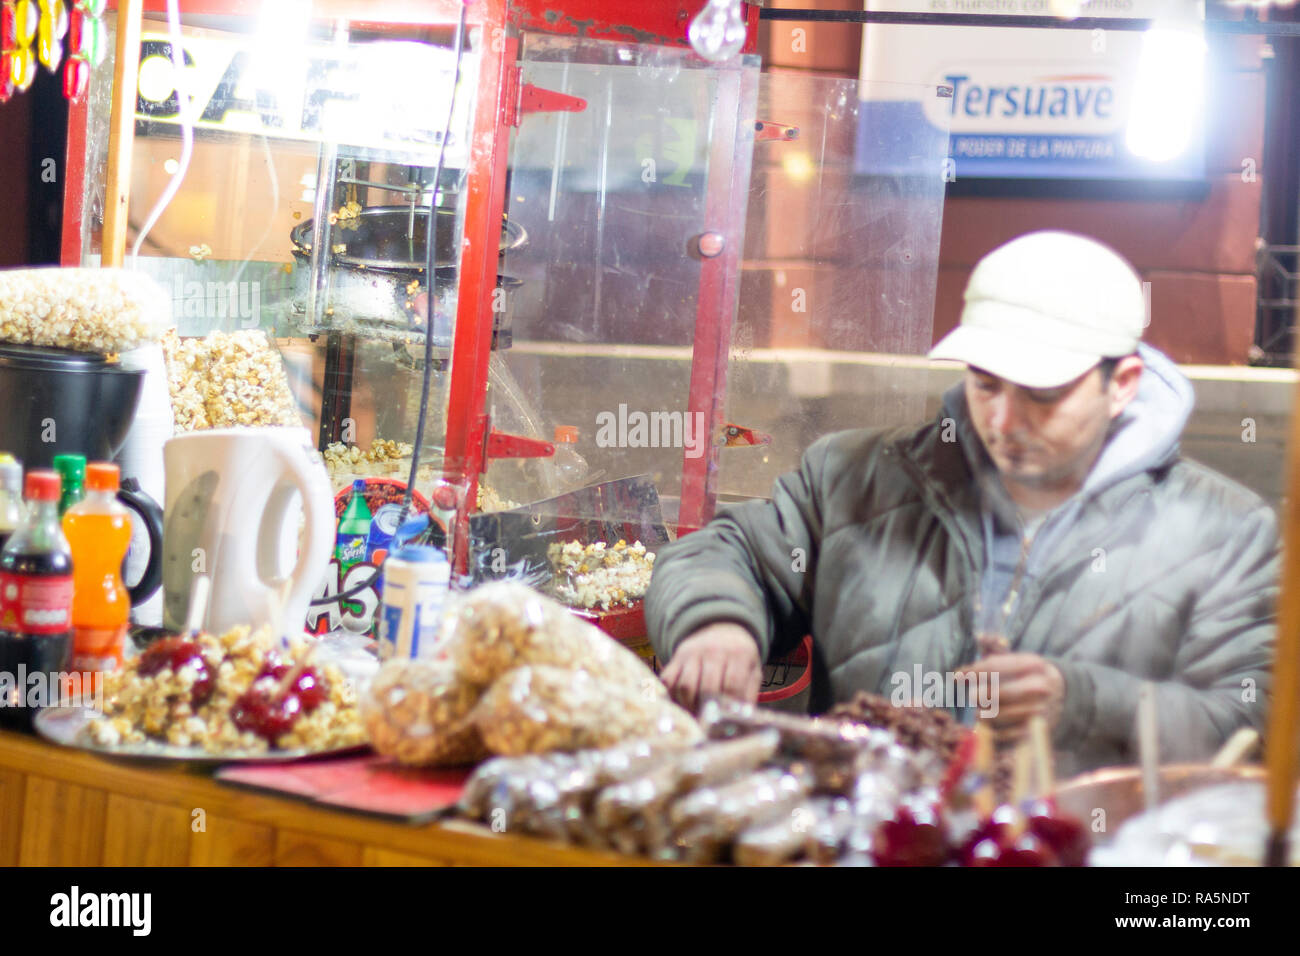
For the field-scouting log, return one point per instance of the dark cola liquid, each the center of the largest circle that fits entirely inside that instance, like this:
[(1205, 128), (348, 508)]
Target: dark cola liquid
[(25, 655)]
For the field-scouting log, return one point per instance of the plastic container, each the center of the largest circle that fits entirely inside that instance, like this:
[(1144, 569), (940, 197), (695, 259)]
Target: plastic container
[(353, 533), (35, 605), (416, 582), (98, 530), (12, 511), (72, 471)]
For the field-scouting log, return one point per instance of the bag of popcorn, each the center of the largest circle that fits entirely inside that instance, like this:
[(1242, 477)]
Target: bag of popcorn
[(86, 310)]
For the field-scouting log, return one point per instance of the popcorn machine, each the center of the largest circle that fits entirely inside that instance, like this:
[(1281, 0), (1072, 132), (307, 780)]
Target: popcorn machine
[(500, 251)]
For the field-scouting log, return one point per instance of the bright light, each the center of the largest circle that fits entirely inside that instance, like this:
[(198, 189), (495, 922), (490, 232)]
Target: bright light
[(1168, 92), (799, 167), (718, 31), (279, 44)]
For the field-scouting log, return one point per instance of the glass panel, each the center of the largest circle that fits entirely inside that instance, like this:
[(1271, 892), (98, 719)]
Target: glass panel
[(305, 139), (841, 261), (614, 290)]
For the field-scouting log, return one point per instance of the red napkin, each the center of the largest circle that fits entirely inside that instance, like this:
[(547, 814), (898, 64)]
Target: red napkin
[(371, 783)]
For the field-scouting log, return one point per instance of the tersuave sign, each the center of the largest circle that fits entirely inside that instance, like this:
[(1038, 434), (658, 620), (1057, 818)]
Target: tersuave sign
[(1025, 103), (388, 95)]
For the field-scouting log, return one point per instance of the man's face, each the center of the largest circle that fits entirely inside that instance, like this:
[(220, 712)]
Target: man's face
[(1043, 438)]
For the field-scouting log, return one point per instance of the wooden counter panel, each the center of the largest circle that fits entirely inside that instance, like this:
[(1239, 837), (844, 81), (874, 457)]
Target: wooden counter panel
[(145, 833), (373, 856), (63, 824), (63, 821), (12, 785), (295, 848), (225, 841)]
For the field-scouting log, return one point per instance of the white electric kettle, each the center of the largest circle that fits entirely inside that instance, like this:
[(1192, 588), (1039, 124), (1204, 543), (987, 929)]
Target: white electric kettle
[(231, 514)]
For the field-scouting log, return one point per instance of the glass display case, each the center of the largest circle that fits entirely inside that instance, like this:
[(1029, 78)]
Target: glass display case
[(652, 280)]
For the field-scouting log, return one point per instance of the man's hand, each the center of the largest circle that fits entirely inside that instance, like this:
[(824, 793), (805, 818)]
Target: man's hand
[(719, 659), (1027, 685)]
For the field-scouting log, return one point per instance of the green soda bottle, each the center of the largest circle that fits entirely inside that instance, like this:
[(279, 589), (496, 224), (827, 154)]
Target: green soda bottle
[(72, 471), (354, 531)]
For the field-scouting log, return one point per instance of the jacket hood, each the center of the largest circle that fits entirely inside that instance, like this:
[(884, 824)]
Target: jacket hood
[(1144, 437)]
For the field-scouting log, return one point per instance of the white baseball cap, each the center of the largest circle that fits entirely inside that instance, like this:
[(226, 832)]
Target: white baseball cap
[(1046, 307)]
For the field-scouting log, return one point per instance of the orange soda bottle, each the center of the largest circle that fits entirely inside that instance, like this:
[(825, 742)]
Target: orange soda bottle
[(98, 528)]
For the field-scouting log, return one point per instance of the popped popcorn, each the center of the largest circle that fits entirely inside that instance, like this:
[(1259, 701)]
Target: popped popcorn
[(416, 711), (536, 709), (597, 575), (87, 310), (226, 379), (163, 705)]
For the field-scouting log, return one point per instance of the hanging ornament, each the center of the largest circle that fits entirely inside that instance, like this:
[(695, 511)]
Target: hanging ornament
[(22, 68), (8, 27), (50, 32), (8, 44), (25, 22), (93, 42), (76, 75), (57, 11), (76, 69), (86, 31)]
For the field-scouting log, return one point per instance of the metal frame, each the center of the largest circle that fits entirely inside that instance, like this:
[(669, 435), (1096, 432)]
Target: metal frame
[(497, 108), (1246, 26)]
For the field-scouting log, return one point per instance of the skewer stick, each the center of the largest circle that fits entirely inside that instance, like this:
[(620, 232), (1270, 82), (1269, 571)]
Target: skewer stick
[(199, 592), (984, 799), (121, 132), (1284, 712), (1041, 744), (1238, 746), (295, 672), (1149, 744), (1021, 769)]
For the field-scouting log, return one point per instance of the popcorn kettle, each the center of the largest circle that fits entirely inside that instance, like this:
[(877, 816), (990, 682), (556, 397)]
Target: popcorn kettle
[(251, 508)]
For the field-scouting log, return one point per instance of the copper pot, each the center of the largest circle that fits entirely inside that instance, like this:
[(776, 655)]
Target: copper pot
[(1118, 790)]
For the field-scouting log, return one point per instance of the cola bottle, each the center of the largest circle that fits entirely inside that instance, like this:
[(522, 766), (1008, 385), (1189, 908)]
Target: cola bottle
[(35, 605)]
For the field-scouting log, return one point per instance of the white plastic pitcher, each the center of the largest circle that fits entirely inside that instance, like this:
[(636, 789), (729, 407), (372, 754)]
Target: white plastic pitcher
[(234, 501)]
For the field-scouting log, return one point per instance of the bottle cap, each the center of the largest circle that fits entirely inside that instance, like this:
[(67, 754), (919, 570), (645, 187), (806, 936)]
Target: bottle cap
[(566, 434), (102, 476), (11, 476), (71, 467), (6, 458), (43, 485), (421, 553), (359, 486)]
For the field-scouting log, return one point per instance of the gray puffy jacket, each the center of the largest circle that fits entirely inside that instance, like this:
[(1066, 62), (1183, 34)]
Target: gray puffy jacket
[(876, 547)]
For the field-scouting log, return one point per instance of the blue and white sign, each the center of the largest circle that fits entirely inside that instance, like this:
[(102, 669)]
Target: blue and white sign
[(1038, 103)]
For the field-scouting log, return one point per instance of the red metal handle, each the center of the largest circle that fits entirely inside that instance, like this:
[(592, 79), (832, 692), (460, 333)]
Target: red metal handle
[(790, 690)]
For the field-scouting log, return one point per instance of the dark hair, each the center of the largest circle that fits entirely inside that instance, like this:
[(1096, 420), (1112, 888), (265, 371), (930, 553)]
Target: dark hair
[(1107, 368)]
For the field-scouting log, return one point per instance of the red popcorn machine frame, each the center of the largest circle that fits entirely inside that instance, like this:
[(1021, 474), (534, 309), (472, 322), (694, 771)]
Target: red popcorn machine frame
[(509, 53)]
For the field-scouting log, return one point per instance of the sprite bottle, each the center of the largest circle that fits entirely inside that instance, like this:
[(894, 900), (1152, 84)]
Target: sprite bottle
[(353, 532)]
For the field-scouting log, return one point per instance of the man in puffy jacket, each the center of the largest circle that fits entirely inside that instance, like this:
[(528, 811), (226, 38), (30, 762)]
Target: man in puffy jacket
[(1042, 534)]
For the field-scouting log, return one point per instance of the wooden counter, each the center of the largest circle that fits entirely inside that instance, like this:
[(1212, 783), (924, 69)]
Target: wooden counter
[(61, 807)]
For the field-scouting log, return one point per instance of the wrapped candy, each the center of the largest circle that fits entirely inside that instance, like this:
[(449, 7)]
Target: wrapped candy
[(714, 763)]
